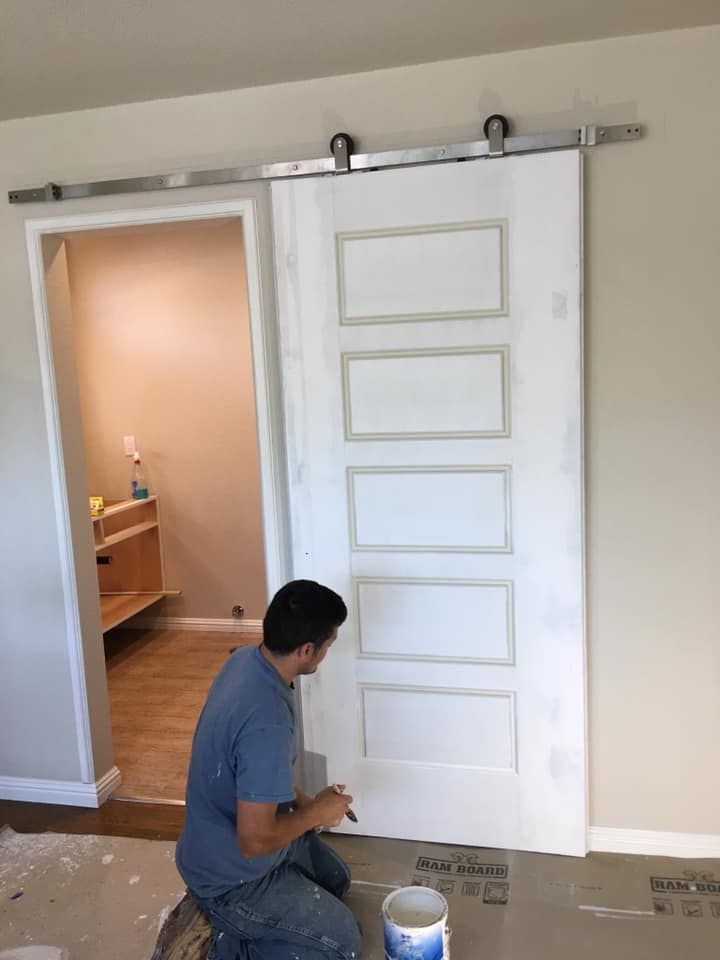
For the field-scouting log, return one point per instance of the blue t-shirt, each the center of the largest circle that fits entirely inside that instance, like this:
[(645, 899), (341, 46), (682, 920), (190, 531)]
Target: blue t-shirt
[(243, 749)]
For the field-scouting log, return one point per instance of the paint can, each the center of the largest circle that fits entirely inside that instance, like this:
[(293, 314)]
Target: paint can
[(415, 921)]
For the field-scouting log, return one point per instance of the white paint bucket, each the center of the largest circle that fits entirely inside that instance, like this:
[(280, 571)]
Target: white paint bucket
[(415, 922)]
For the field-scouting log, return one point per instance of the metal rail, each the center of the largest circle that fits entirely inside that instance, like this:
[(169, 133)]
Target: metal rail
[(343, 160)]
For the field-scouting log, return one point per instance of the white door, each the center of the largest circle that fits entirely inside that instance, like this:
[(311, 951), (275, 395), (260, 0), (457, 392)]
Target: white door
[(431, 351)]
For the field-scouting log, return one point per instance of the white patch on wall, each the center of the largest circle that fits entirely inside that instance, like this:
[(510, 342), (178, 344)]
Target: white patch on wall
[(559, 305)]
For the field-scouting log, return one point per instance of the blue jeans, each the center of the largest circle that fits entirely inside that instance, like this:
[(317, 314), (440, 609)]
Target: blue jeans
[(293, 913)]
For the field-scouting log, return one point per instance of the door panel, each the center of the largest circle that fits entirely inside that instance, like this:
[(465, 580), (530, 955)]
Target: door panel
[(431, 350)]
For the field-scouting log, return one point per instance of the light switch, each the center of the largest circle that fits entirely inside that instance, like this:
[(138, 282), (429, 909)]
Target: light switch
[(129, 445)]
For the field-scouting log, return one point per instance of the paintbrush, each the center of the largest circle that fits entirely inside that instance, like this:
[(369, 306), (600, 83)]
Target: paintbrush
[(348, 813)]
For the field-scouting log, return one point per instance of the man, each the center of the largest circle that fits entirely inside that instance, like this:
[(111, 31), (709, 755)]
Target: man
[(249, 852)]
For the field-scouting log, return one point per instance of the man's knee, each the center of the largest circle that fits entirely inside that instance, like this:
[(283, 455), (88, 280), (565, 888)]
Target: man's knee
[(340, 879), (348, 935), (329, 867)]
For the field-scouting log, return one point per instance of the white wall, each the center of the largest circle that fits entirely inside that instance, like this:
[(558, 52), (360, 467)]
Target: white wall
[(92, 662), (653, 448)]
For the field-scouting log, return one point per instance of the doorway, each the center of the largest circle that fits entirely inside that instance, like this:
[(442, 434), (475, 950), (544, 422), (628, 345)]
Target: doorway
[(431, 351), (152, 327)]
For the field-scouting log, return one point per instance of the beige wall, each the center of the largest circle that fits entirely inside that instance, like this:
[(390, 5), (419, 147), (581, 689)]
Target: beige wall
[(163, 353), (652, 356)]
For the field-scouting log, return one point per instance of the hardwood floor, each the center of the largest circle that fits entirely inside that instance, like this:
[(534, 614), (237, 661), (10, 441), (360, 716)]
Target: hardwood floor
[(116, 818), (157, 683)]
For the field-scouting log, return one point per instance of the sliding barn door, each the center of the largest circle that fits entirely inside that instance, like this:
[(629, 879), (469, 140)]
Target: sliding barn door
[(431, 352)]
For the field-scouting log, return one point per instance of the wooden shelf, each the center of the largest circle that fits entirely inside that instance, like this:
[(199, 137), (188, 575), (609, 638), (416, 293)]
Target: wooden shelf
[(115, 610), (114, 507), (129, 534), (125, 534)]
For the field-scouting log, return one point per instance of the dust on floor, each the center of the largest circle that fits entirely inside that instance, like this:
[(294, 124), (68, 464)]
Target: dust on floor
[(67, 897)]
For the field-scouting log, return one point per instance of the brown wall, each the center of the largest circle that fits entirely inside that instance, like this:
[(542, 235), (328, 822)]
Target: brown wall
[(163, 352)]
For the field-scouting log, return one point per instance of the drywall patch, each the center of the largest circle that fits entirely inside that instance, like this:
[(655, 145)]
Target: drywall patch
[(559, 305)]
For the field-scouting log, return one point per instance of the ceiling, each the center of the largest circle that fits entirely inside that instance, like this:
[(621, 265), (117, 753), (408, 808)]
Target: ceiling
[(58, 55)]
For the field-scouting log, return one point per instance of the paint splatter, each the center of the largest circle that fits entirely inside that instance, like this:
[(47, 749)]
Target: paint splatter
[(108, 858), (35, 953), (133, 880)]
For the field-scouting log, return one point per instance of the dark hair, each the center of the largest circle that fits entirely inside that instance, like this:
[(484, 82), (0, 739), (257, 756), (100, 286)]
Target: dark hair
[(302, 612)]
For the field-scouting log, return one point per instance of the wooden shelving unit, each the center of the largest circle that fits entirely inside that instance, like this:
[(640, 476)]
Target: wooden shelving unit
[(128, 533), (116, 610)]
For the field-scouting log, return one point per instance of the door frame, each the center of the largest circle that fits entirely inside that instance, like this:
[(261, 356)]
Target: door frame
[(271, 442)]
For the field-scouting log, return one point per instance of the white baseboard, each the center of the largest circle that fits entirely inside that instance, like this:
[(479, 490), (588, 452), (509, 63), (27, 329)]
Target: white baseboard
[(252, 628), (71, 792), (655, 843)]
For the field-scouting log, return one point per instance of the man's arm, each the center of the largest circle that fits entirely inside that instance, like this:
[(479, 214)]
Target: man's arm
[(301, 798), (262, 830)]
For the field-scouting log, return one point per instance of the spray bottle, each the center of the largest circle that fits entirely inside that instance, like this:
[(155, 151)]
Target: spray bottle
[(138, 484)]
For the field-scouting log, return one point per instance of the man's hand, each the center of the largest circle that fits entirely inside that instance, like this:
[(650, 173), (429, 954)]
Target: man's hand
[(261, 830), (331, 806)]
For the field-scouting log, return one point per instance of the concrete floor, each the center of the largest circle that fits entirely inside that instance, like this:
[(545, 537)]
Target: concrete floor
[(85, 897)]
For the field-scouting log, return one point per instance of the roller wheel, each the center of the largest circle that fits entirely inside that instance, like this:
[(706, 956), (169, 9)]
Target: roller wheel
[(347, 138), (503, 120)]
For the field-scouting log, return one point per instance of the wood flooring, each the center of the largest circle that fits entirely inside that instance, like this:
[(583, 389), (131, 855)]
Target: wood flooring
[(157, 683), (116, 818)]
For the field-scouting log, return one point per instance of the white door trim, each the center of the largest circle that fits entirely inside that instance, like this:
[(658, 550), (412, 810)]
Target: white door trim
[(71, 793), (270, 435), (655, 843)]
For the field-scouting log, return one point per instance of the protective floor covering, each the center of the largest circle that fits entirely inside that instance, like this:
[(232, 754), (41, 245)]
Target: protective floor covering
[(85, 898), (523, 906), (66, 897)]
